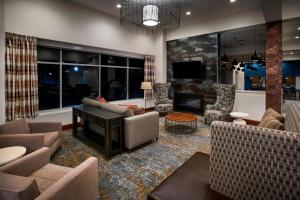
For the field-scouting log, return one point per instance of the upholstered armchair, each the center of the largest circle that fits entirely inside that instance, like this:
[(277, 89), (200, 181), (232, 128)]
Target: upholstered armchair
[(220, 111), (34, 177), (32, 135), (161, 97)]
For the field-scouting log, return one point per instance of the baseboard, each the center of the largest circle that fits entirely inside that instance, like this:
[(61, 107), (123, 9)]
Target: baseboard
[(69, 126)]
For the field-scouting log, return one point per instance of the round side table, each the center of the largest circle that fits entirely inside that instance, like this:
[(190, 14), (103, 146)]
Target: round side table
[(10, 154), (181, 123), (239, 117)]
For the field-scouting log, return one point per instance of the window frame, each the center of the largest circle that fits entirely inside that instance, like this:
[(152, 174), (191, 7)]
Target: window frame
[(99, 66)]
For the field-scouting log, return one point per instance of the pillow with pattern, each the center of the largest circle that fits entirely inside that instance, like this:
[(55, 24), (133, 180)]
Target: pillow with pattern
[(272, 113), (271, 123)]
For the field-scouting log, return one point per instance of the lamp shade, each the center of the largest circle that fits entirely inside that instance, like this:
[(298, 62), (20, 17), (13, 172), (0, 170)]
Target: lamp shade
[(146, 86)]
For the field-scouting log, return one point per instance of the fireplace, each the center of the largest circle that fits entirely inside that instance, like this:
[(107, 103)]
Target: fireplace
[(188, 102)]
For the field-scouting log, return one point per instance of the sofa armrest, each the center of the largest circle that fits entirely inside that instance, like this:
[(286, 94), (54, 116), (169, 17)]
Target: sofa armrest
[(141, 128), (32, 142), (43, 127), (244, 158), (80, 183), (28, 164)]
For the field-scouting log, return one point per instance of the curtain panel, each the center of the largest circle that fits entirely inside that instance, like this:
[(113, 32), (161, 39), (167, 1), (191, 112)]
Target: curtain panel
[(149, 75), (21, 78)]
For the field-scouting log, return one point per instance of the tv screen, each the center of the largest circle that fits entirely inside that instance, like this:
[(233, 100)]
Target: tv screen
[(188, 70)]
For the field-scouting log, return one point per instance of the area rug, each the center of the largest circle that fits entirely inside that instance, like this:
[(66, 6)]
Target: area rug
[(133, 176)]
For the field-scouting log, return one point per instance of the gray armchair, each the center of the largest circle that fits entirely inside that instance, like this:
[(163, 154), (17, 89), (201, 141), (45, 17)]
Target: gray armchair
[(161, 97), (34, 177), (220, 111), (32, 135)]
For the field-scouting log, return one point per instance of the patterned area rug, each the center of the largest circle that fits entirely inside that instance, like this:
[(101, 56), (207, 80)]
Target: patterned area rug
[(134, 175)]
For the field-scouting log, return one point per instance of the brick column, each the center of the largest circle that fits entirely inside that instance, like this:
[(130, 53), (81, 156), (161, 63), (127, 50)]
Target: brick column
[(274, 66)]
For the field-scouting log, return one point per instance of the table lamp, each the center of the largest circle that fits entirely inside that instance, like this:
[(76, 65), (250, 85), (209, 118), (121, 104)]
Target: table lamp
[(146, 86)]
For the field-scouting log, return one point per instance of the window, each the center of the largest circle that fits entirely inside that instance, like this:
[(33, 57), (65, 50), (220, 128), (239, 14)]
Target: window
[(113, 60), (67, 76), (136, 77), (48, 79), (79, 82), (48, 54), (138, 63), (80, 57), (113, 83)]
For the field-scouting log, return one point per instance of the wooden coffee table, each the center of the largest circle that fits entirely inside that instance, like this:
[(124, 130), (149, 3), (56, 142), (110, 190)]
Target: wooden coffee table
[(181, 123), (10, 154)]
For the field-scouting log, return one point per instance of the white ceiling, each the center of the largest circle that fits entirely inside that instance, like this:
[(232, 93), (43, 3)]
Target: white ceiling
[(199, 8)]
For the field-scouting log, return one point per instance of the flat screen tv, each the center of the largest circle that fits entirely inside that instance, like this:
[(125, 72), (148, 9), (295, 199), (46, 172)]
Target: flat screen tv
[(189, 70)]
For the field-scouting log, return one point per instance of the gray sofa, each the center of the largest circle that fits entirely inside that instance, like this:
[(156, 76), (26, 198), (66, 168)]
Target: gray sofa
[(139, 129), (32, 135), (34, 177)]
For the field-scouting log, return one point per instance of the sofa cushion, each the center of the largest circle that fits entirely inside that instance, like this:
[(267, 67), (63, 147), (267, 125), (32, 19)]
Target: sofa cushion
[(271, 123), (91, 102), (272, 113), (17, 187), (116, 109), (50, 138), (19, 126), (48, 175)]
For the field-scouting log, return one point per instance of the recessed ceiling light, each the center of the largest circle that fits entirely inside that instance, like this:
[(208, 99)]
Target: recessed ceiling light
[(292, 53), (297, 37), (299, 28), (232, 1), (119, 5), (188, 13)]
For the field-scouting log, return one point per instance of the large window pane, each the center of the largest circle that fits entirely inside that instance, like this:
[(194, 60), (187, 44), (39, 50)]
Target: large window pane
[(136, 77), (46, 54), (80, 57), (113, 83), (113, 60), (48, 76), (135, 62), (79, 82)]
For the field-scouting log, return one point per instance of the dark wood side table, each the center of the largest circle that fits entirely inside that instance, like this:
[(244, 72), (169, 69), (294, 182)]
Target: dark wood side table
[(104, 119)]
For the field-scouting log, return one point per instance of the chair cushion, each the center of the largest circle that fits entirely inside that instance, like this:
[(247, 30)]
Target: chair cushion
[(271, 123), (19, 126), (17, 187), (50, 138), (272, 113), (48, 175)]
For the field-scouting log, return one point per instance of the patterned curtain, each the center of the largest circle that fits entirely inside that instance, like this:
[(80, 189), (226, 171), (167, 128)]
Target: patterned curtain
[(149, 75), (21, 79)]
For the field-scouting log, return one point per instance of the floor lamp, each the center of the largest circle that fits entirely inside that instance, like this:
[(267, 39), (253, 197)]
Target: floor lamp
[(146, 86)]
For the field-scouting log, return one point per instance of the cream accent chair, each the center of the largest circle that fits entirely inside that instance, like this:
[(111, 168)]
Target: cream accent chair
[(34, 177), (32, 135)]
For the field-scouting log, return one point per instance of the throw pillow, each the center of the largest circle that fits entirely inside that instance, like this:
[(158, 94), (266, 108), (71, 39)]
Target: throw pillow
[(271, 123), (136, 110), (272, 113), (102, 100)]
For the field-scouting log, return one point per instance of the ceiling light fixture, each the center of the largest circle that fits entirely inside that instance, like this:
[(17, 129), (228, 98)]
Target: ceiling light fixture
[(119, 5), (232, 1), (150, 16), (297, 37), (292, 53), (299, 28), (188, 13)]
